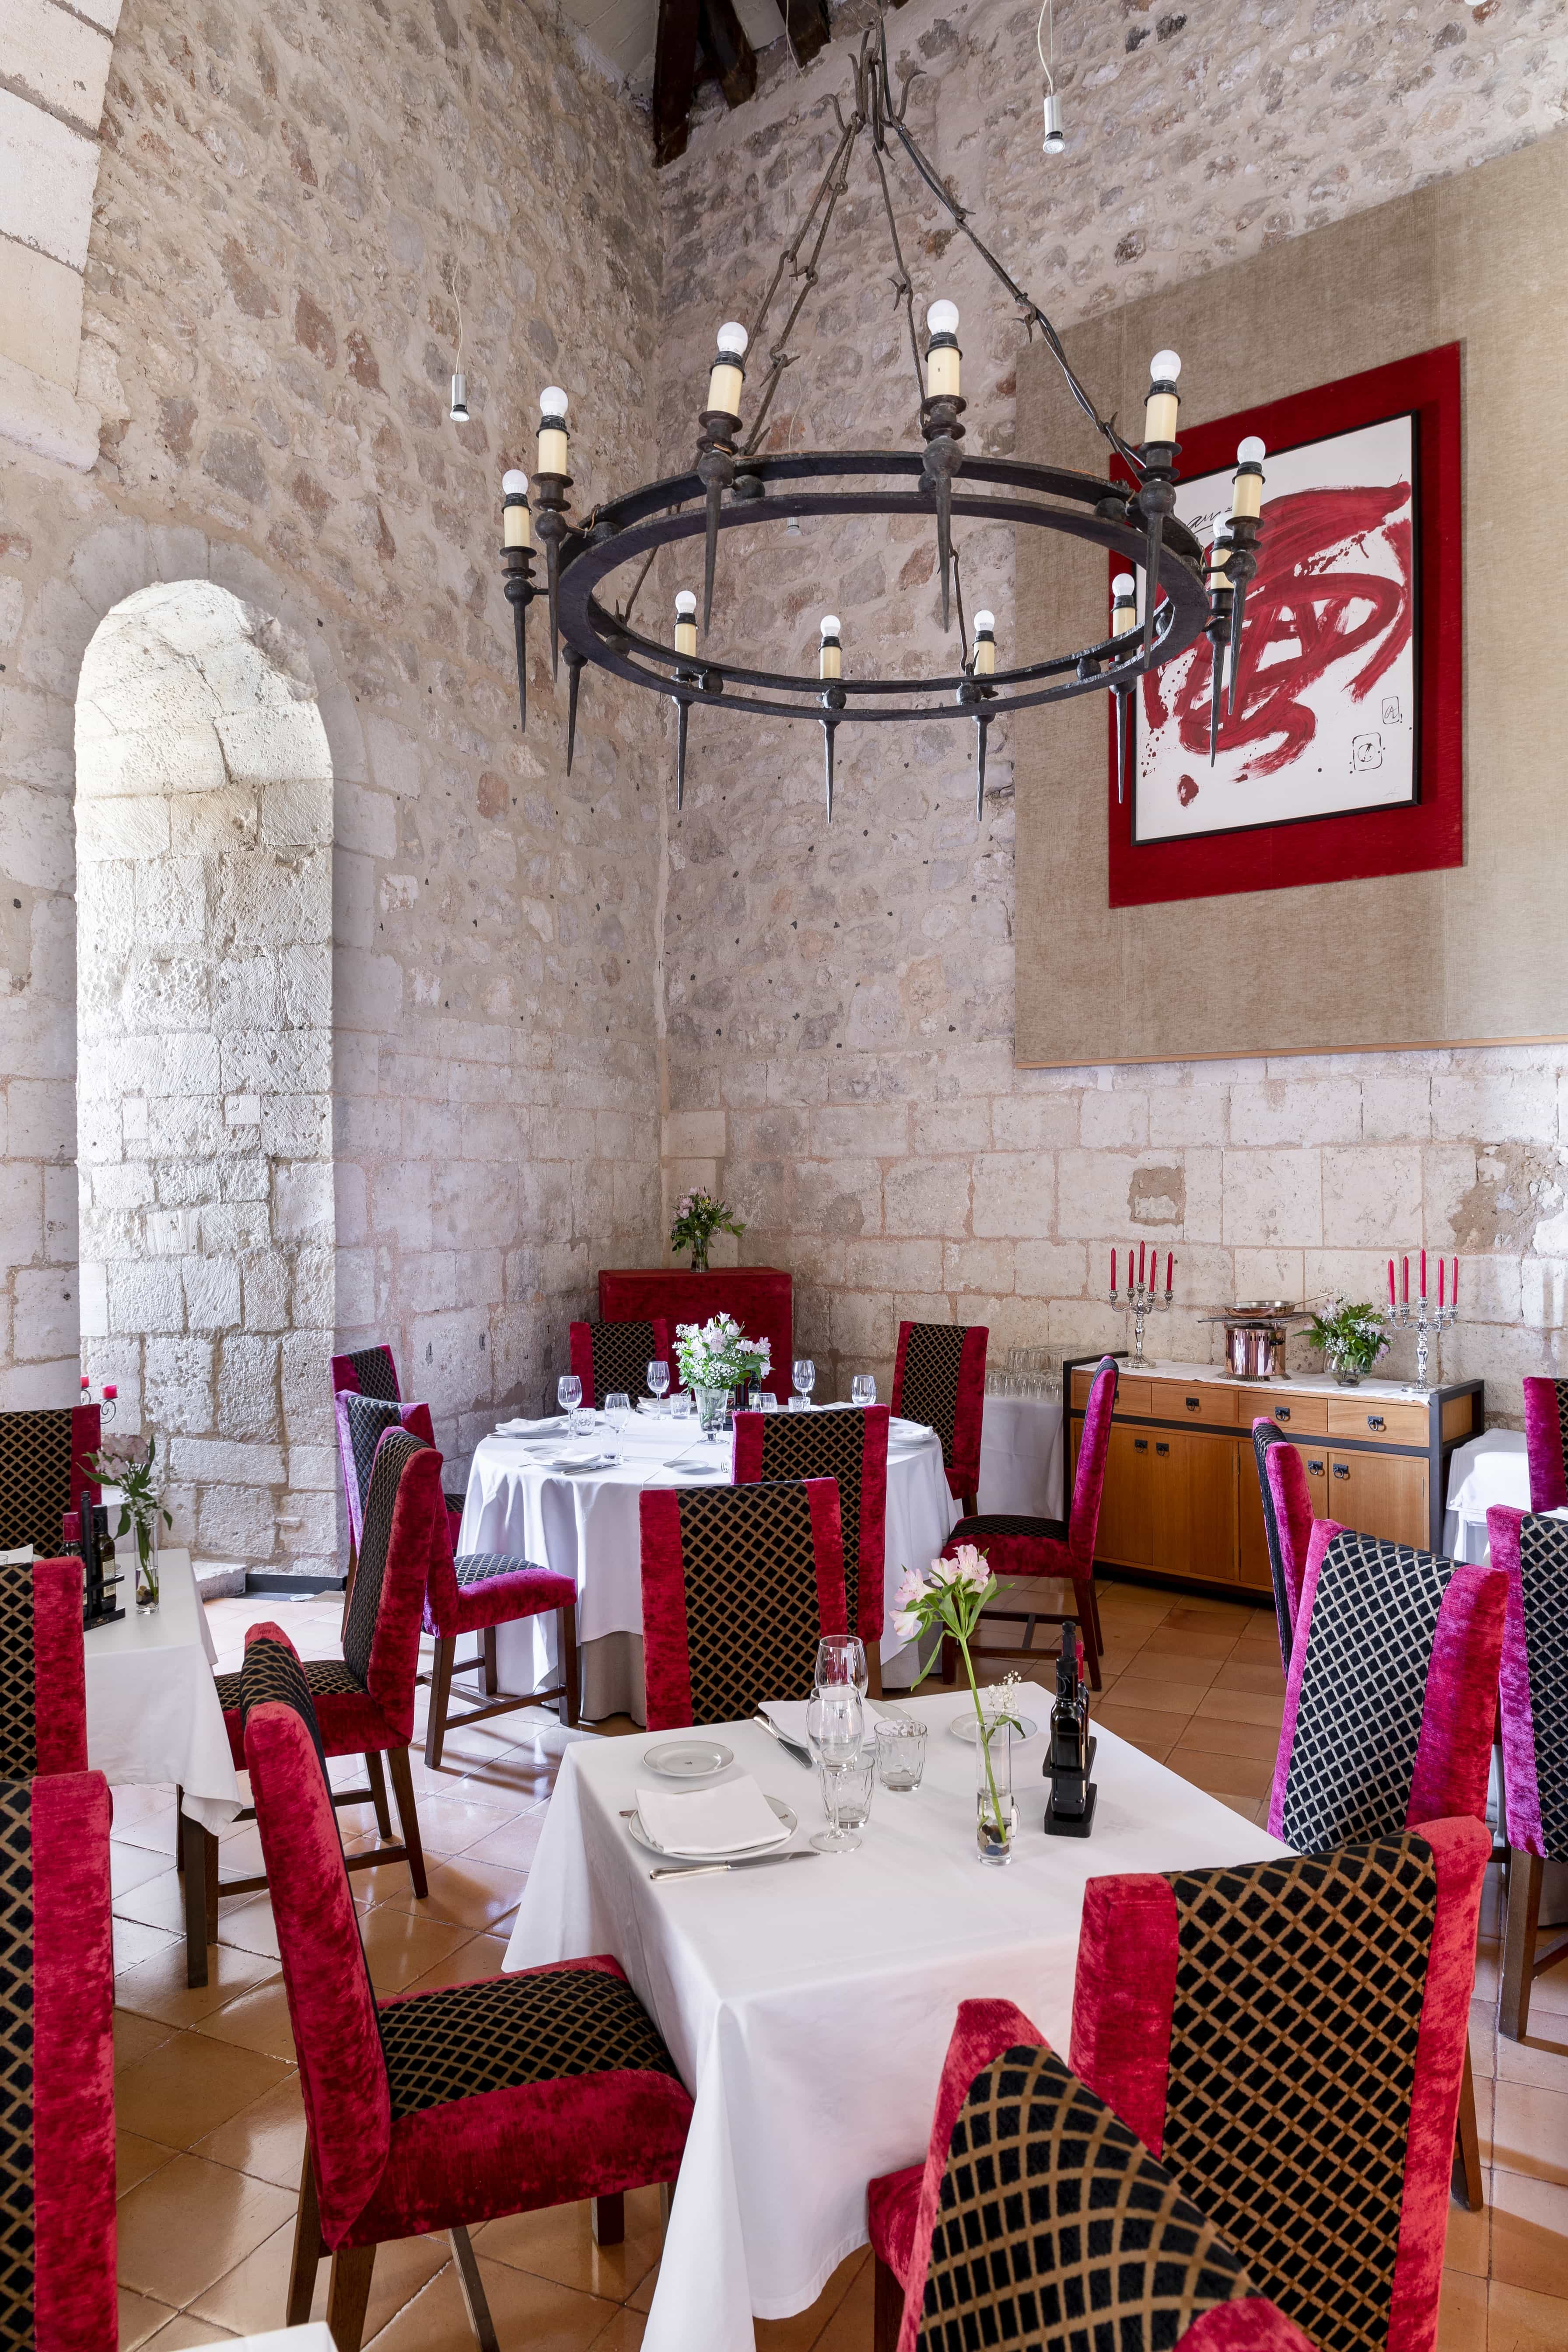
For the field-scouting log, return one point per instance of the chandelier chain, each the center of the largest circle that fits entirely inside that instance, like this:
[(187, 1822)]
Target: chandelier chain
[(830, 187)]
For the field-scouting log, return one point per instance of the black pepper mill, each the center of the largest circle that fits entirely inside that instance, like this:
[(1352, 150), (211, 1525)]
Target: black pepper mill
[(1070, 1809), (100, 1575)]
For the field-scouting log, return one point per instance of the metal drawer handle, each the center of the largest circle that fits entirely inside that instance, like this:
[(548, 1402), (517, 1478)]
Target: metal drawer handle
[(1161, 1449), (1342, 1470), (1281, 1413), (1376, 1420), (1315, 1469), (1140, 1445), (1194, 1404)]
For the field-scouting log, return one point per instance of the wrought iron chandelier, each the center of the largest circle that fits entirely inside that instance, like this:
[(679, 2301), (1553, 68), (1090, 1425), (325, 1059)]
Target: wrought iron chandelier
[(736, 483)]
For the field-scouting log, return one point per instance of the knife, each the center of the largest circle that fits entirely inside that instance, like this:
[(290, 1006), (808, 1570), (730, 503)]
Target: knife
[(758, 1862), (791, 1746)]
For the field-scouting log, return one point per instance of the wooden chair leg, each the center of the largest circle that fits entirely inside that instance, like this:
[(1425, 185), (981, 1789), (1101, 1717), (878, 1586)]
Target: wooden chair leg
[(492, 1679), (889, 2309), (1522, 1923), (567, 1619), (440, 1699), (408, 1818), (1468, 2144), (610, 2221), (193, 1843), (307, 2258), (873, 1670), (209, 1882), (949, 1661), (1088, 1632), (473, 2286), (348, 2295), (376, 1775)]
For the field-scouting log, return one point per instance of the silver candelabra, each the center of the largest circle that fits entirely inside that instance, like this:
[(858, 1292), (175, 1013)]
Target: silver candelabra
[(1143, 1300), (1419, 1314)]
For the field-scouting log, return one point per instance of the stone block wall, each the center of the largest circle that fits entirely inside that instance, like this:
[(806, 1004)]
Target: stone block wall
[(838, 1004)]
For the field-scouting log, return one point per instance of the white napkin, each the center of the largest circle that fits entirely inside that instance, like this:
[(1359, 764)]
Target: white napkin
[(549, 1428), (723, 1819)]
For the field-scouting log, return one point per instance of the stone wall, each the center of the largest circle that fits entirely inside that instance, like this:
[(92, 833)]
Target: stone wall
[(291, 207), (839, 1005)]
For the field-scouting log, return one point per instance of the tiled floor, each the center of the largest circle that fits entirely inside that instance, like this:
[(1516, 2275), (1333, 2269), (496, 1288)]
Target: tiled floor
[(208, 2105)]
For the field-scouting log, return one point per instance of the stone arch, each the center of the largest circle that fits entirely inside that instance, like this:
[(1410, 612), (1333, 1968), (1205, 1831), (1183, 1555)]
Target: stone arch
[(204, 806)]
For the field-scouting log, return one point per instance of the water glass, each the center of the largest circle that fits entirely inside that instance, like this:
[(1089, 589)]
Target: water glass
[(618, 1412), (846, 1790), (862, 1389), (804, 1375), (680, 1404), (841, 1663), (569, 1392), (901, 1754), (770, 1402), (835, 1733), (754, 1400), (657, 1377)]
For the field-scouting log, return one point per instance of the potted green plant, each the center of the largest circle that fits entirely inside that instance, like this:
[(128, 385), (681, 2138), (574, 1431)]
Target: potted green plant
[(716, 1357), (140, 1480), (698, 1217), (1352, 1337)]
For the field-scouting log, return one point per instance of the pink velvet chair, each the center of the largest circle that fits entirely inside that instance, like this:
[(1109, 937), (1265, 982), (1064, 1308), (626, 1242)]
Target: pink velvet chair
[(1532, 1553), (1038, 2219), (43, 1708), (1020, 1550), (57, 2001), (849, 1447), (44, 1455), (373, 1372), (739, 1585), (1546, 1442), (607, 1357), (1287, 1523), (1289, 2038), (938, 1377), (435, 2110)]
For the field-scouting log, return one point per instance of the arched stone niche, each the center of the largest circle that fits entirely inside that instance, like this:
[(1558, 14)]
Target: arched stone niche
[(205, 1057)]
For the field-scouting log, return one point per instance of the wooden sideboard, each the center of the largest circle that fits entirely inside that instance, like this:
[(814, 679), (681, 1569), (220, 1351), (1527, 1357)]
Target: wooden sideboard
[(1182, 1503)]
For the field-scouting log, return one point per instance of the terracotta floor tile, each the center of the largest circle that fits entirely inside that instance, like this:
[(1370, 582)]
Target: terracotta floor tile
[(133, 1943), (1212, 1736), (482, 1955), (1218, 1706), (186, 2335), (1519, 2321), (1154, 1735), (157, 1988), (1462, 2314), (256, 2020), (464, 1893), (192, 2222), (152, 1827), (451, 1825), (400, 1947), (267, 2138), (247, 1927), (157, 1902), (1247, 1674), (1541, 2058), (513, 1843), (1245, 1777), (136, 2038), (1156, 1695), (136, 2159), (1205, 1614), (1188, 1643), (849, 2329), (1529, 2232), (140, 2319), (190, 2087), (526, 2310), (131, 1866), (1469, 2245), (624, 2334), (252, 2298), (1529, 2130), (558, 2244)]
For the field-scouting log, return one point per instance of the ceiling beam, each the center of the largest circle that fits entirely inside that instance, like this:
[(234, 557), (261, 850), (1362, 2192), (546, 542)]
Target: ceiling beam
[(674, 72), (723, 42), (807, 27)]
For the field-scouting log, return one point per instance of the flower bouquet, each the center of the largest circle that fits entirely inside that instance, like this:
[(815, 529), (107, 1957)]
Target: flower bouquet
[(698, 1217), (947, 1598), (139, 1477), (1350, 1337), (716, 1357)]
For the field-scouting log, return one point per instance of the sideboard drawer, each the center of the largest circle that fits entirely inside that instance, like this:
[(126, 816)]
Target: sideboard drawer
[(1298, 1416), (1194, 1401), (1132, 1396), (1373, 1418)]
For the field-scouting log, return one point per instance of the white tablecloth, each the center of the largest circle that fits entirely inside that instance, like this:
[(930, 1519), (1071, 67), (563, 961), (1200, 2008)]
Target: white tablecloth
[(1021, 1456), (586, 1526), (152, 1712), (808, 2007), (1491, 1468)]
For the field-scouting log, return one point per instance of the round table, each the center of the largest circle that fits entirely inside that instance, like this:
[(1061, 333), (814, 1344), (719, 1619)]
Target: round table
[(524, 1497)]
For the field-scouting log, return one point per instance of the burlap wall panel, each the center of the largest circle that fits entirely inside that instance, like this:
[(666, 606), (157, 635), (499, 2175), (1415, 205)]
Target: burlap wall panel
[(1477, 953)]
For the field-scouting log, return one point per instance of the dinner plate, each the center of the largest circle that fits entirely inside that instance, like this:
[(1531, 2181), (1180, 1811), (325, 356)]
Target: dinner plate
[(788, 1821), (688, 1759), (963, 1727)]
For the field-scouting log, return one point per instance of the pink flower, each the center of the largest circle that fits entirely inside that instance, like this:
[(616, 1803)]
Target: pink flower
[(970, 1565), (911, 1584), (907, 1627)]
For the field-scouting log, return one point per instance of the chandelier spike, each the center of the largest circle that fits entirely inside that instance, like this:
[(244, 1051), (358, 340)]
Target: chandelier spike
[(1120, 744), (574, 675), (517, 562), (1217, 689), (1246, 509), (682, 709), (829, 728), (980, 726)]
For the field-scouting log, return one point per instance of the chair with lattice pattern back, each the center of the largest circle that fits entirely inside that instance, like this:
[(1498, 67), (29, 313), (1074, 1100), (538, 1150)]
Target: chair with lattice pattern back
[(43, 1670), (1546, 1442), (44, 1455), (739, 1585), (1289, 2037), (1287, 1522), (434, 2111), (938, 1377), (373, 1372), (614, 1358), (1531, 1551), (1390, 1706), (849, 1445), (1039, 2219)]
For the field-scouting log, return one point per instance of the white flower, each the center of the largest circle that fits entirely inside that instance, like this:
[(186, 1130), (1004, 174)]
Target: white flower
[(906, 1627)]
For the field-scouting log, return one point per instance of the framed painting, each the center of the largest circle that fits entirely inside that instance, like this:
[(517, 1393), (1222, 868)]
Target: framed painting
[(1343, 757)]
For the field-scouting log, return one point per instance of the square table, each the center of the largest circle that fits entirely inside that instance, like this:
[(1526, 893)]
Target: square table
[(809, 2007)]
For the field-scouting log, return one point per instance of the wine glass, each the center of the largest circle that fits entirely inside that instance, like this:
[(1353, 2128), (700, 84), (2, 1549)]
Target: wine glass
[(658, 1381), (617, 1412), (835, 1729), (569, 1396), (862, 1389), (841, 1663), (804, 1375)]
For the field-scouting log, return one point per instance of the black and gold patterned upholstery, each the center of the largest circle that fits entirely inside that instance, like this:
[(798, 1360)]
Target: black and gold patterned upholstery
[(396, 1450), (274, 1671), (36, 1478), (1544, 1588), (1298, 1993), (1364, 1692), (375, 1373), (824, 1445), (16, 2250), (18, 1684), (324, 1678), (752, 1610), (505, 2032), (622, 1353), (1262, 1439), (368, 1420), (1057, 2228), (928, 1392)]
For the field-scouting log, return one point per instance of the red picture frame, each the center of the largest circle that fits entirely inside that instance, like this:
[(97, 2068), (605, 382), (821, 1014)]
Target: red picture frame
[(1420, 835)]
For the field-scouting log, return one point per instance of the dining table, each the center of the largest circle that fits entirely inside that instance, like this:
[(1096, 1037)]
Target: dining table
[(808, 2006), (537, 1492)]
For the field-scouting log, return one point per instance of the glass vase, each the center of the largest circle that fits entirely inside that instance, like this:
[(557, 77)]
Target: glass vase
[(712, 1410), (996, 1813), (1345, 1371), (146, 1572)]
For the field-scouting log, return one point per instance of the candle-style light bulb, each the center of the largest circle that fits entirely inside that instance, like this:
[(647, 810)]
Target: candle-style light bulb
[(551, 431), (1124, 607), (983, 662), (1247, 488), (685, 622), (516, 525), (830, 656), (728, 372), (1162, 403), (943, 358), (1220, 547)]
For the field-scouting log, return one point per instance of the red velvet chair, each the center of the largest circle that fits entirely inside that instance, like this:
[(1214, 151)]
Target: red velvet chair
[(372, 1372), (850, 1448), (739, 1585), (57, 2001), (468, 1592), (435, 2110), (1038, 2219), (1546, 1442), (938, 1377), (1532, 1553), (1287, 1523), (43, 1703), (43, 1470), (607, 1357), (1018, 1550)]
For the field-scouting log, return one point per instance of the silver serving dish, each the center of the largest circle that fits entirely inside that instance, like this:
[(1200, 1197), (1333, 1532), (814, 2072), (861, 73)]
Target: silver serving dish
[(1255, 1330)]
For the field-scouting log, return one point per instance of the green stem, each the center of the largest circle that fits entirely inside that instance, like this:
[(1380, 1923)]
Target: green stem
[(980, 1733)]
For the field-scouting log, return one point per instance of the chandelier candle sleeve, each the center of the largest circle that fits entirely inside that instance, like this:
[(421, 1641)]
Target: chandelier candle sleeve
[(1124, 608), (943, 358), (516, 525), (1161, 406), (984, 656), (686, 623), (830, 656), (1247, 488), (728, 372), (552, 454)]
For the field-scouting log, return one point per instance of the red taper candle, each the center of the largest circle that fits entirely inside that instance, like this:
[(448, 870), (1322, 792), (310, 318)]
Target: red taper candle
[(1442, 1278), (1423, 1274), (1141, 1261), (1454, 1286), (1113, 1273), (1405, 1279), (1170, 1269), (109, 1392), (1390, 1282)]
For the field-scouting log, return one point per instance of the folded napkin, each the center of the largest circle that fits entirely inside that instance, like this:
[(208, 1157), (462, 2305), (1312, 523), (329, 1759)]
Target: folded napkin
[(724, 1820), (789, 1716), (573, 1465), (551, 1428)]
